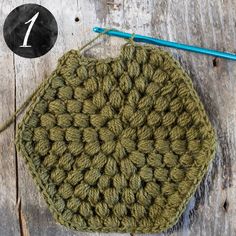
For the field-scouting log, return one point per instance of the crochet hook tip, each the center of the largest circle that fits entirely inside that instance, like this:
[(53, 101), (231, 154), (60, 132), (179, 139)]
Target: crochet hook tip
[(98, 29)]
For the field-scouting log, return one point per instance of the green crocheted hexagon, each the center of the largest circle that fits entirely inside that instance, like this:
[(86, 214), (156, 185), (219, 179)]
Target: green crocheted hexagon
[(117, 144)]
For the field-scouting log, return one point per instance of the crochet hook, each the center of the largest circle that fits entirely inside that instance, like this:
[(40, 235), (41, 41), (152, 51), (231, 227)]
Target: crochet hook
[(161, 42)]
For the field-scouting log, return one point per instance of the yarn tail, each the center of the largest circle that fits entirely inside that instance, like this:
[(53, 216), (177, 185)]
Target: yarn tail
[(13, 117), (95, 38)]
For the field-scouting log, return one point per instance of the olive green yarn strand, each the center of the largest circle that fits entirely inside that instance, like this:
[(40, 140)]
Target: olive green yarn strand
[(13, 117), (94, 39)]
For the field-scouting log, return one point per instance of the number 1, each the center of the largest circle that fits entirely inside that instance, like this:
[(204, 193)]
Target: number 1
[(32, 20)]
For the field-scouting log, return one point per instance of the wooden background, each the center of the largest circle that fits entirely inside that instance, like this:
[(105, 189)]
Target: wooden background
[(212, 211)]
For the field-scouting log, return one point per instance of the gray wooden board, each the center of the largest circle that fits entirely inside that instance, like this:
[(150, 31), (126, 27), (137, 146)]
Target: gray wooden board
[(212, 210)]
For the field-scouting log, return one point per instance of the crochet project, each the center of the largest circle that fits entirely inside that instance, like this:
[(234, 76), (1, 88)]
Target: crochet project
[(117, 144)]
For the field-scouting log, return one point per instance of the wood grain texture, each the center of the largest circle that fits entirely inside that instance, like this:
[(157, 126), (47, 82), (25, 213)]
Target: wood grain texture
[(212, 210)]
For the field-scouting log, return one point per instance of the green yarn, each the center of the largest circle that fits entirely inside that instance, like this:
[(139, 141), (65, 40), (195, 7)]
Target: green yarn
[(117, 144)]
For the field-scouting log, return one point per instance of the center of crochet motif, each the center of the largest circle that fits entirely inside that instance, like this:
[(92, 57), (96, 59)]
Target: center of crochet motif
[(117, 144)]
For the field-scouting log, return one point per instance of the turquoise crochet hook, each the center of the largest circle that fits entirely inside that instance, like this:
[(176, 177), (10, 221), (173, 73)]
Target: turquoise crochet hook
[(160, 42)]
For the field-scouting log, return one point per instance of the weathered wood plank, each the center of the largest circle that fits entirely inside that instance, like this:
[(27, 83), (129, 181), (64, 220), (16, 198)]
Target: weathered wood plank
[(9, 224), (212, 210)]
